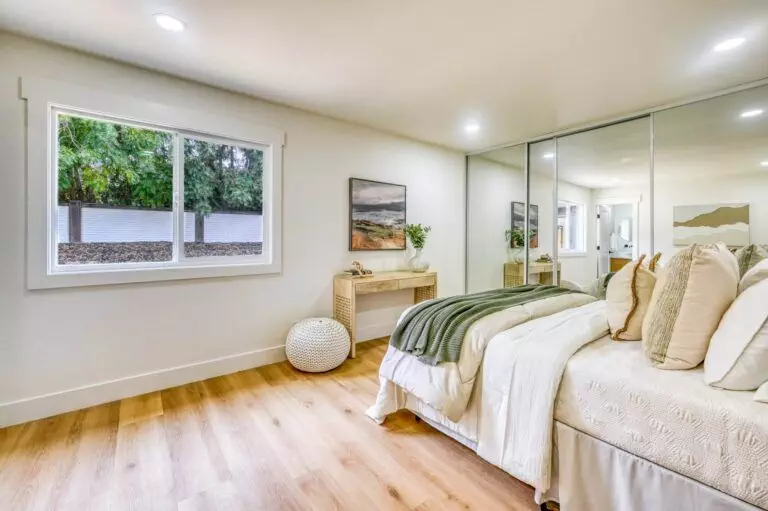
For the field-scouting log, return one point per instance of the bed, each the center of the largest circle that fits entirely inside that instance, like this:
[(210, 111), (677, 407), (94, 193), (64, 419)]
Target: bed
[(624, 435)]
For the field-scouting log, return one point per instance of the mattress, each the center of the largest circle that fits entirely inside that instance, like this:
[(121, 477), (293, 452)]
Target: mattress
[(671, 418)]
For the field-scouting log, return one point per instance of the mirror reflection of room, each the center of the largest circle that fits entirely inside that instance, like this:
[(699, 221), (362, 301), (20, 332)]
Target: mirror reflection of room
[(495, 182), (603, 195), (541, 246), (711, 172)]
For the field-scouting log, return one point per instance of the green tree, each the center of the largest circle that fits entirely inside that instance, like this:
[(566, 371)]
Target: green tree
[(107, 163)]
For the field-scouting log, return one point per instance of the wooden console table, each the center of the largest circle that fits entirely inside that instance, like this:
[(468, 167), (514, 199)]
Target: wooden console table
[(346, 288), (514, 273)]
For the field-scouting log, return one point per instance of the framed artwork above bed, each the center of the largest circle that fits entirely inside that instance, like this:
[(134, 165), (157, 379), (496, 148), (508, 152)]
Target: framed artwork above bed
[(376, 215)]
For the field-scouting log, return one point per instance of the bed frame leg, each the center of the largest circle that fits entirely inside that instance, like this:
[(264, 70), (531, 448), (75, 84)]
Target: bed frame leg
[(418, 419)]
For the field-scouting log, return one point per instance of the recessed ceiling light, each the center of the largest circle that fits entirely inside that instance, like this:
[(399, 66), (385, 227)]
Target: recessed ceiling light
[(548, 156), (626, 159), (169, 23), (764, 163), (729, 44), (471, 127), (752, 113)]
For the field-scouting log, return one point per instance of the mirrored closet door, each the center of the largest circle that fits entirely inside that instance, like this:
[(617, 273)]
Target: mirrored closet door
[(711, 172), (603, 200), (541, 232), (495, 183)]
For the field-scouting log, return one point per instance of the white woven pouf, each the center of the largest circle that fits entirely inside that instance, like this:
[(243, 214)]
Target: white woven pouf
[(316, 345)]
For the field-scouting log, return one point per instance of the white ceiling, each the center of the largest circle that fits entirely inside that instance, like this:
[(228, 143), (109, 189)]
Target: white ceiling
[(423, 68)]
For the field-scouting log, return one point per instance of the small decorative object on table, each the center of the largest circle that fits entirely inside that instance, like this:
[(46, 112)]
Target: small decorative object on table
[(358, 270), (316, 345), (417, 234), (544, 258)]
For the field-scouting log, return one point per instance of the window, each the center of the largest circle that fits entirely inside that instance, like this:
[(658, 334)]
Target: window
[(178, 194), (570, 227)]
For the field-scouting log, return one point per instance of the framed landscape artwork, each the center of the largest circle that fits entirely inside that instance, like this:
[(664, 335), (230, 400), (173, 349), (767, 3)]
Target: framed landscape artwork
[(376, 215), (518, 221), (711, 223)]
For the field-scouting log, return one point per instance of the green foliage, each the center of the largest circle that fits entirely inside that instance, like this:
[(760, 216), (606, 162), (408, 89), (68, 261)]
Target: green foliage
[(417, 234), (106, 163), (516, 237)]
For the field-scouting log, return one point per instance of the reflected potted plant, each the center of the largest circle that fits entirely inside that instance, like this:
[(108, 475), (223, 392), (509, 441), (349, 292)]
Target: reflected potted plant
[(516, 243), (417, 235)]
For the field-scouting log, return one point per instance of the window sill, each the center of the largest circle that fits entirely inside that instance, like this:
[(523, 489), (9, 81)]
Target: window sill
[(566, 255), (74, 277)]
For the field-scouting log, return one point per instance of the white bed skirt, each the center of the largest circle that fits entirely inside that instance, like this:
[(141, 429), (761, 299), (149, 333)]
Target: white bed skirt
[(589, 474)]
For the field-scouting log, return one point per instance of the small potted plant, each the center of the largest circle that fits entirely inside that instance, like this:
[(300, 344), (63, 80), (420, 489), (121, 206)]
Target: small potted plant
[(516, 239), (417, 235)]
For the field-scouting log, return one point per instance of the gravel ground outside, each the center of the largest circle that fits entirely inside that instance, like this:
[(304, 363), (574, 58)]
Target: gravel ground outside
[(148, 251)]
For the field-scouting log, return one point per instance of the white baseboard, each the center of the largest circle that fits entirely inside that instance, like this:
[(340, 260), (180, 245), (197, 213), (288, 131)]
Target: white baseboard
[(38, 407)]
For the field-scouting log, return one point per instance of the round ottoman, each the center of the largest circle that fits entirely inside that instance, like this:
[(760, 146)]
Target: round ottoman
[(316, 345)]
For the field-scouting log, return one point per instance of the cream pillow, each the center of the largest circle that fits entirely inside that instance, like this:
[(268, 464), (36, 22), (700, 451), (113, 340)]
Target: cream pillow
[(762, 393), (754, 275), (691, 295), (737, 358), (627, 297)]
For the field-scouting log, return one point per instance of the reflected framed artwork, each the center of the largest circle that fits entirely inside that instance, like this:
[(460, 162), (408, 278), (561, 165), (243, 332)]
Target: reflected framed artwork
[(711, 223), (376, 215)]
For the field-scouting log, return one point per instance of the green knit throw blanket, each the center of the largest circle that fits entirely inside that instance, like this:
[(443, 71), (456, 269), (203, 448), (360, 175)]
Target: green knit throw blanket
[(434, 330)]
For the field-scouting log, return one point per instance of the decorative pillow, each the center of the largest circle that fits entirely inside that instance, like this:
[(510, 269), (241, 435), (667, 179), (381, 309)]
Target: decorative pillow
[(749, 256), (753, 276), (762, 393), (598, 286), (627, 297), (737, 358), (691, 295)]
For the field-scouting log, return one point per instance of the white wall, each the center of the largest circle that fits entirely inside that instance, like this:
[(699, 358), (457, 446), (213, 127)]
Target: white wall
[(53, 341)]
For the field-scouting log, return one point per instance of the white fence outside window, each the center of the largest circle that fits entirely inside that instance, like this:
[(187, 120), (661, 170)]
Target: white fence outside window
[(104, 225)]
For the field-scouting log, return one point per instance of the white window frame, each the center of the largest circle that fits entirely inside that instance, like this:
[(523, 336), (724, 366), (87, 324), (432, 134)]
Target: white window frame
[(46, 98), (567, 252)]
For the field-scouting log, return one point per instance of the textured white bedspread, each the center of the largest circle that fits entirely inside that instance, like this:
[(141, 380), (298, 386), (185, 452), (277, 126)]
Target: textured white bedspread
[(672, 418), (521, 375), (447, 387)]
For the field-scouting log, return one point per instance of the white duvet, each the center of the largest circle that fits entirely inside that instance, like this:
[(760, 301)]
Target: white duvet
[(523, 354), (447, 387)]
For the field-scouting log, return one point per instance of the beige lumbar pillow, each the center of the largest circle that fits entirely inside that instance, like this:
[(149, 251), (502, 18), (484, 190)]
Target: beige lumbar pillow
[(756, 274), (627, 298), (691, 295), (737, 358)]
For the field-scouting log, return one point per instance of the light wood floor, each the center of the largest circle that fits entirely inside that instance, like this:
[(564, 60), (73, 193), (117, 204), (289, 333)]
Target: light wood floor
[(270, 438)]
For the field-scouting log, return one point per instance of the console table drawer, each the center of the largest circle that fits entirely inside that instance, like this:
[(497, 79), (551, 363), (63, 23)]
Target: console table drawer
[(363, 288)]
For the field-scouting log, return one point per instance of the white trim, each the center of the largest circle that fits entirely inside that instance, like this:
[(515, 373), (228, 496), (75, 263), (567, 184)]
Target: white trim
[(46, 96), (38, 407)]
